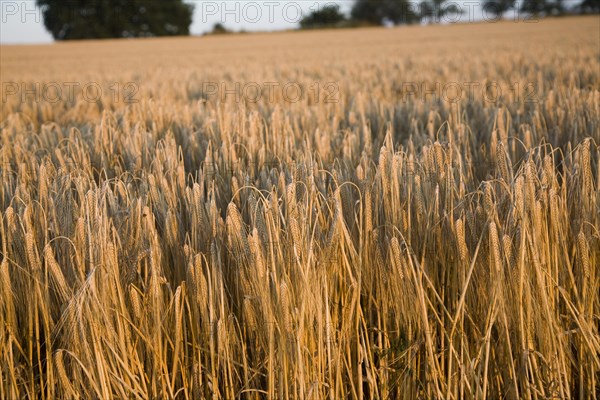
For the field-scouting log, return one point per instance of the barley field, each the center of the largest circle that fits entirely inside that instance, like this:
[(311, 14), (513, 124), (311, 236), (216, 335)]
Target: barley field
[(168, 235)]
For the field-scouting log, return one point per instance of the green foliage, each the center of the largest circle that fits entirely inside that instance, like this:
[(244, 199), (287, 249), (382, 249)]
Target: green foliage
[(328, 16), (590, 6), (537, 7), (219, 29), (93, 19), (435, 10), (377, 11), (498, 7)]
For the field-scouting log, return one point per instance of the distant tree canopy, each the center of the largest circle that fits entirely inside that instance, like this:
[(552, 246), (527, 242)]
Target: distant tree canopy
[(377, 12), (590, 6), (327, 16), (498, 7), (99, 19), (219, 29), (435, 10), (545, 7)]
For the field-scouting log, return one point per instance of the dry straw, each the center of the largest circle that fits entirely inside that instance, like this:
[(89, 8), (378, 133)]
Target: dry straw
[(368, 248)]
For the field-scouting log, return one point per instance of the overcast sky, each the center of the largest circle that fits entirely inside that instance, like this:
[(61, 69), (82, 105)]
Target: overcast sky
[(21, 21)]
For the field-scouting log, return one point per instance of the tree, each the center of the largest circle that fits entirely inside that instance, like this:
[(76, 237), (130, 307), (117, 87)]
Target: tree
[(426, 11), (556, 7), (327, 16), (545, 7), (498, 7), (98, 19), (435, 10), (219, 29), (589, 6), (534, 7), (379, 11)]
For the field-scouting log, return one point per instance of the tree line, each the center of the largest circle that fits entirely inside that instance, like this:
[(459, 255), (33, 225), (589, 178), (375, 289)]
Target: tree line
[(396, 12), (98, 19)]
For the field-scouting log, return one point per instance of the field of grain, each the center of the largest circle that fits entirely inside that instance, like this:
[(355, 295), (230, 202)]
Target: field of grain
[(164, 241)]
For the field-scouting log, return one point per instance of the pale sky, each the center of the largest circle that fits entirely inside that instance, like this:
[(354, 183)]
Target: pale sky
[(21, 22)]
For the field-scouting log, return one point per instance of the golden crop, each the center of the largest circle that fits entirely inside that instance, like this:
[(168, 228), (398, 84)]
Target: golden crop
[(371, 239)]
